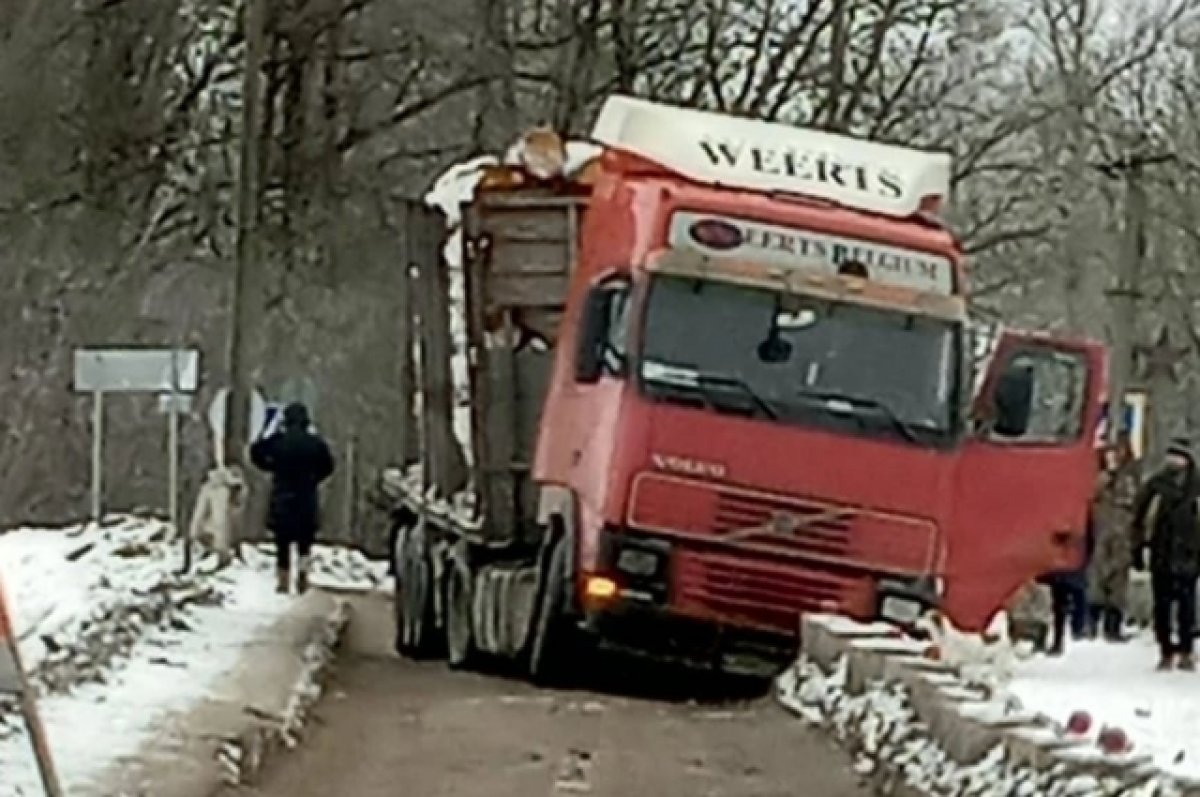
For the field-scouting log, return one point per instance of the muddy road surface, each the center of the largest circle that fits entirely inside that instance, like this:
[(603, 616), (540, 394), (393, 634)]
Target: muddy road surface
[(389, 727)]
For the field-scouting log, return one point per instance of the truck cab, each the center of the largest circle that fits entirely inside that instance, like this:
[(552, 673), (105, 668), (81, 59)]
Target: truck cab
[(762, 401)]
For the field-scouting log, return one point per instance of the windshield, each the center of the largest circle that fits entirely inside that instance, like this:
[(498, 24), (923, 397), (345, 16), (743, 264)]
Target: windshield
[(793, 358)]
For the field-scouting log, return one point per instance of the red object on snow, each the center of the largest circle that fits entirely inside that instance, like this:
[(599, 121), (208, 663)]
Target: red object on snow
[(1114, 741), (1079, 723)]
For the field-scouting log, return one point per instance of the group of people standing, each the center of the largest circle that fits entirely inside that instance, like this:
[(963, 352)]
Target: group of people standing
[(1133, 525)]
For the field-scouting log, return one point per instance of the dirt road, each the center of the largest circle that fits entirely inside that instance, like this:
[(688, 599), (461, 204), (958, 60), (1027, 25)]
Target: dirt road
[(390, 727)]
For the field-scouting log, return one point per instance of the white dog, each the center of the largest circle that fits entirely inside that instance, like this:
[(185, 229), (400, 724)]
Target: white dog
[(988, 659)]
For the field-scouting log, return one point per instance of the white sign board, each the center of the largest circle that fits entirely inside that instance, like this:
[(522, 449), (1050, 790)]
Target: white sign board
[(136, 370), (784, 246), (716, 149), (1134, 422), (174, 402)]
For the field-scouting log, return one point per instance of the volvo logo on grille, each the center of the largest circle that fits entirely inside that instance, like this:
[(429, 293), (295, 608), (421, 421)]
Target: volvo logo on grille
[(783, 523)]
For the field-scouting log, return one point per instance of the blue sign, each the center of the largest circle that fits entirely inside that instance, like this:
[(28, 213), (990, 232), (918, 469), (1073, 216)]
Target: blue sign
[(271, 417), (1133, 421)]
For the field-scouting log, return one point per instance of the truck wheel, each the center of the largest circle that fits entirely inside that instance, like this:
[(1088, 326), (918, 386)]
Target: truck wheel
[(413, 604), (554, 643), (460, 635)]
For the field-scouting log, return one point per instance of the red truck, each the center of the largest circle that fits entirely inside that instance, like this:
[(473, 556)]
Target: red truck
[(723, 377)]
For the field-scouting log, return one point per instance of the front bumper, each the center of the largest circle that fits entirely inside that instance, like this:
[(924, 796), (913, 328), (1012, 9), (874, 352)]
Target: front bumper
[(662, 635), (729, 610)]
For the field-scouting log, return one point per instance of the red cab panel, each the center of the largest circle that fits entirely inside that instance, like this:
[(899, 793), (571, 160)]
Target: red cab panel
[(1017, 501)]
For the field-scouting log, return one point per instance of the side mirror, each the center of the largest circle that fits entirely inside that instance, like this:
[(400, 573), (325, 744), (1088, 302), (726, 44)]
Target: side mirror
[(1013, 401), (593, 336)]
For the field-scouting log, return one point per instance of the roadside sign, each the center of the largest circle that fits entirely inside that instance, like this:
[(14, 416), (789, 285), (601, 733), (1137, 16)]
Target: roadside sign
[(1133, 422), (174, 402), (272, 416), (172, 373), (137, 370)]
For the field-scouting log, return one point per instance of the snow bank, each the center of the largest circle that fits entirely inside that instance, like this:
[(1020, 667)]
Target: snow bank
[(1116, 684), (891, 748), (116, 638)]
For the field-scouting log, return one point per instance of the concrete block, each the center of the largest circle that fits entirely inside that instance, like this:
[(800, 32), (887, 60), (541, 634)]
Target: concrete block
[(897, 668), (963, 736), (825, 638), (869, 658), (1036, 747), (970, 730)]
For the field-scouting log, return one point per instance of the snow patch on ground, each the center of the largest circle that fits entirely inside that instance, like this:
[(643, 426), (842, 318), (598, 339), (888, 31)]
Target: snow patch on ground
[(117, 639), (1117, 685), (880, 729)]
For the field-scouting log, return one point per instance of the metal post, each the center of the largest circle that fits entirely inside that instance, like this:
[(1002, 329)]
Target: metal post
[(1125, 296), (351, 484), (97, 456), (173, 463)]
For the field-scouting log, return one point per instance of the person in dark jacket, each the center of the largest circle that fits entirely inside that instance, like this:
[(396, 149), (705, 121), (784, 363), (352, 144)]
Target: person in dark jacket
[(1165, 524), (298, 461), (1068, 595)]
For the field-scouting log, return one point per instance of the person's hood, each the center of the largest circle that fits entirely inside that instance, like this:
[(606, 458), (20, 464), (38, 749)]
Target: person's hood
[(295, 416), (1170, 480)]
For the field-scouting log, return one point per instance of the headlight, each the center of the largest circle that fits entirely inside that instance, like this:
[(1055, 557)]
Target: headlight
[(901, 611), (637, 563)]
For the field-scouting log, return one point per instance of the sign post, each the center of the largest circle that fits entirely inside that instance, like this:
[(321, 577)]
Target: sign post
[(97, 456), (171, 371)]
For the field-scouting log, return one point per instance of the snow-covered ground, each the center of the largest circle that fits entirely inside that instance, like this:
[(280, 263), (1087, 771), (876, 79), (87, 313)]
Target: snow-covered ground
[(116, 638), (1117, 685)]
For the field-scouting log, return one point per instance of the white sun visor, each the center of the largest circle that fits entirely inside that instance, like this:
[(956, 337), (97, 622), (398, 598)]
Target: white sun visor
[(717, 149), (790, 247)]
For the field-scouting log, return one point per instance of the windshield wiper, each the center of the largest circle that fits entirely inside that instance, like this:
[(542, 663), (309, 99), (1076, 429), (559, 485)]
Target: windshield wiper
[(882, 408), (704, 380)]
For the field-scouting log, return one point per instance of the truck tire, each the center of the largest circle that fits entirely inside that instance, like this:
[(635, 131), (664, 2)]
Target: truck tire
[(413, 602), (553, 647), (461, 651)]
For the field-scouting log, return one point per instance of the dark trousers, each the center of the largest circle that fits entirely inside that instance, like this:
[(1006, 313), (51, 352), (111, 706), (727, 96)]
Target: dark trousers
[(1107, 621), (1174, 611), (302, 538), (1069, 602)]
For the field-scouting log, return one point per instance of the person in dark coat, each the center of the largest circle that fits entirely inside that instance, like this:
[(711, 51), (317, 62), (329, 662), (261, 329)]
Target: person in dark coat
[(1068, 594), (1165, 525), (298, 461)]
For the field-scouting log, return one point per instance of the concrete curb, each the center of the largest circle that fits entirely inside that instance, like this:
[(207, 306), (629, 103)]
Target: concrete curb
[(964, 723), (244, 758)]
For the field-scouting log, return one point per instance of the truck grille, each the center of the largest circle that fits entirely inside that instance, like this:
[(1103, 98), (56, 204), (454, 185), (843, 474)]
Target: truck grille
[(766, 595), (828, 534)]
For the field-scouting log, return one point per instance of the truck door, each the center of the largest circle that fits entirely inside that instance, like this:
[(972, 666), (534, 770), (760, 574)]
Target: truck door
[(1026, 474)]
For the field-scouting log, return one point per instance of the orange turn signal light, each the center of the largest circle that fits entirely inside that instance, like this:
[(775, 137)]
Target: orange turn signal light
[(599, 588)]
